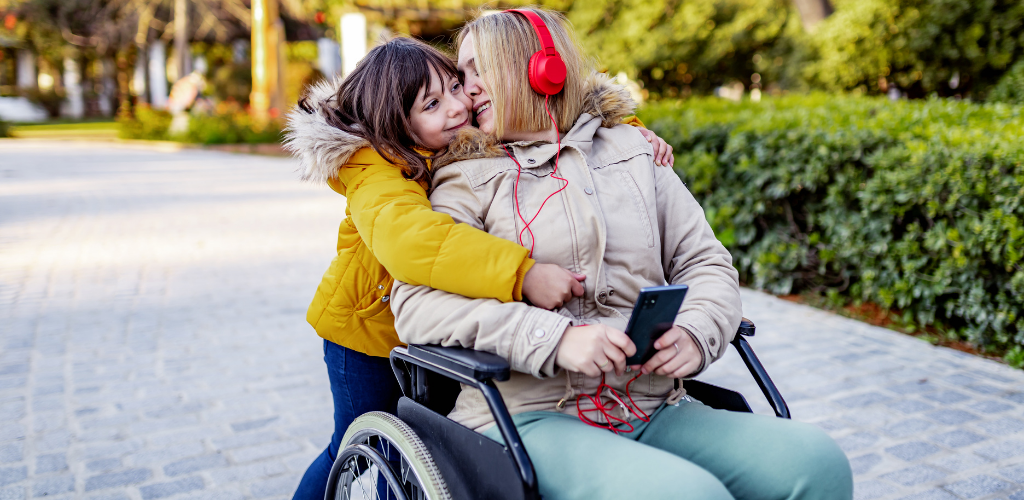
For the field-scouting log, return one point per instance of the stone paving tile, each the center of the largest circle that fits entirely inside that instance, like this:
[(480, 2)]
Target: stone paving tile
[(913, 451), (957, 438), (156, 343), (170, 488), (977, 486), (915, 475), (932, 495)]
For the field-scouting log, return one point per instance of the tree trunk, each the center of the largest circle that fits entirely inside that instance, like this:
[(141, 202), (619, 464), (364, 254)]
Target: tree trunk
[(181, 47)]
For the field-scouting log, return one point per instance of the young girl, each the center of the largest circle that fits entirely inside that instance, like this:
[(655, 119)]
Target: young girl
[(371, 137), (592, 428)]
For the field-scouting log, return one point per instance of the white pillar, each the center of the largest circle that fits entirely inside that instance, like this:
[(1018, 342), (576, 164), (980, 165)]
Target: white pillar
[(158, 75), (138, 87), (353, 41), (26, 70), (328, 57), (74, 105)]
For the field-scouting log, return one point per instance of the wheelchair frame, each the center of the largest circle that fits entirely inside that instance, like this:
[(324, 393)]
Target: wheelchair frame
[(430, 375)]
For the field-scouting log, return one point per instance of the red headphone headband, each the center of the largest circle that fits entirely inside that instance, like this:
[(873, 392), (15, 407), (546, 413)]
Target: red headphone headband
[(546, 42), (547, 71)]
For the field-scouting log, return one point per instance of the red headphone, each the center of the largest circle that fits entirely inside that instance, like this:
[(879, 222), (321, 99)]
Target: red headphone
[(547, 71), (547, 77)]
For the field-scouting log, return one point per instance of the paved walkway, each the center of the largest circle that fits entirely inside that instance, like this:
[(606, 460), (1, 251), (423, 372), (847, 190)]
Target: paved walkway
[(153, 343)]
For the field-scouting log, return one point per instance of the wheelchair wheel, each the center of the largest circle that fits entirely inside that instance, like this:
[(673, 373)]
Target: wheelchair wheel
[(381, 457)]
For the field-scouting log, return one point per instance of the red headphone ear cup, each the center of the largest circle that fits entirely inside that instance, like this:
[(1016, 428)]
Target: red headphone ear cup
[(547, 73)]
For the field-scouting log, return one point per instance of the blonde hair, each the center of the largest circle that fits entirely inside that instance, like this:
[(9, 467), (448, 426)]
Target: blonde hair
[(504, 43)]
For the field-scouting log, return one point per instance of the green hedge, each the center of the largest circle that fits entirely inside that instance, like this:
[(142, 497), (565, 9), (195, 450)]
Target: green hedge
[(5, 129), (1010, 88), (913, 205)]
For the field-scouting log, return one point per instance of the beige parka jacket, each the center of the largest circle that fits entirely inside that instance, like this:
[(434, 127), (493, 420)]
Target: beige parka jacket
[(622, 221)]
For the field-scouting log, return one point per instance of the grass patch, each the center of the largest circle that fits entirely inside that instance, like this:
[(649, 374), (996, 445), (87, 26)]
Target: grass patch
[(93, 129)]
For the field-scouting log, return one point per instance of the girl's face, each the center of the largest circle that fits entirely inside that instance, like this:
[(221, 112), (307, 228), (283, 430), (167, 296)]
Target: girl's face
[(439, 111), (475, 89)]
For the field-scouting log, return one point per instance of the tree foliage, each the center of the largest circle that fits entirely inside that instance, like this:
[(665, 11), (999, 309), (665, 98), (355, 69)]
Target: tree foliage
[(943, 46), (1010, 88), (677, 47), (52, 27)]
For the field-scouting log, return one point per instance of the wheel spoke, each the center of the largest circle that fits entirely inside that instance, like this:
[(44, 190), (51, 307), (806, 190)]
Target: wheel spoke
[(359, 478), (399, 480)]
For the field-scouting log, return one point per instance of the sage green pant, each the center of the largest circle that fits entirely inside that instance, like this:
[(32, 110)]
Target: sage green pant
[(689, 451)]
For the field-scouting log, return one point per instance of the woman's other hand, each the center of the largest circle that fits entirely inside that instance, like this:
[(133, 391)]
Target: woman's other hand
[(594, 349), (548, 286), (662, 150), (678, 355)]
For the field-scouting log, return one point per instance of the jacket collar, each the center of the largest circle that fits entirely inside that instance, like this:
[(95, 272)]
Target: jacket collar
[(581, 137)]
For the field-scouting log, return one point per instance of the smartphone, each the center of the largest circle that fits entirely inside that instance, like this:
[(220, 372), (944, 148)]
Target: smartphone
[(654, 314)]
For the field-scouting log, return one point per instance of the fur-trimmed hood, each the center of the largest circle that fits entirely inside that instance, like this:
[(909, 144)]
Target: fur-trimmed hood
[(323, 149)]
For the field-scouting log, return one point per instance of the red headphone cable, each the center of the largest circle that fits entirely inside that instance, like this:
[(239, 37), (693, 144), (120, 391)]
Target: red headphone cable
[(519, 172), (605, 409)]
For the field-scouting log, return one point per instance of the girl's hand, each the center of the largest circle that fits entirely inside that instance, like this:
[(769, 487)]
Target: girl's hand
[(594, 349), (662, 150), (678, 355), (548, 286)]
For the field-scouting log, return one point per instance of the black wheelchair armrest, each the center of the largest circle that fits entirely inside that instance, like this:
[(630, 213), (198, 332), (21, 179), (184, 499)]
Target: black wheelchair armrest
[(477, 365), (771, 393), (476, 369)]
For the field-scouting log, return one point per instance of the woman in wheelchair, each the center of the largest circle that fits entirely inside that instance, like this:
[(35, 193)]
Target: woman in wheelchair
[(555, 171)]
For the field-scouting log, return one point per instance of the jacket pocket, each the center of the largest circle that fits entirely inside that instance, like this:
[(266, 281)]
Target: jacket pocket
[(362, 284), (381, 297), (640, 204)]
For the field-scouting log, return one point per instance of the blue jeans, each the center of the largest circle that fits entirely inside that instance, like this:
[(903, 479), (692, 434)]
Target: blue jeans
[(359, 383)]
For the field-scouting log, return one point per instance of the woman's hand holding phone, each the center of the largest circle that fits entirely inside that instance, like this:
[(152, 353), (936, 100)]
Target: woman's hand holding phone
[(594, 349), (548, 286), (673, 362)]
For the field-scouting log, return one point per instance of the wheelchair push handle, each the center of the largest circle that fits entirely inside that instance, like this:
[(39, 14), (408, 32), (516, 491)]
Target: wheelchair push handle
[(746, 328)]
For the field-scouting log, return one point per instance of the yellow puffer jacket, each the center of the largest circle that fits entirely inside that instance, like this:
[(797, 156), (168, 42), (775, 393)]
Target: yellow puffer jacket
[(389, 226), (389, 231)]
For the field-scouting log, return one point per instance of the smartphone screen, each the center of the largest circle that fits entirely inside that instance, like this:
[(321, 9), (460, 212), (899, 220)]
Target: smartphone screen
[(653, 314)]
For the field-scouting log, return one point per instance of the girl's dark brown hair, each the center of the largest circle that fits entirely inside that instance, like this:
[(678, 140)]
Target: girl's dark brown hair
[(374, 101)]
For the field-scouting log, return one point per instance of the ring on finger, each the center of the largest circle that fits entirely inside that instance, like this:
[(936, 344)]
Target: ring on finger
[(677, 348), (602, 365)]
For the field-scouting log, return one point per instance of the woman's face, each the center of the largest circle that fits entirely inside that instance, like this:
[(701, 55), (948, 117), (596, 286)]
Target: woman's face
[(438, 112), (474, 86)]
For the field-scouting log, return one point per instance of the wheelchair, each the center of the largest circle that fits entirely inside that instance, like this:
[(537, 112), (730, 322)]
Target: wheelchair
[(419, 454)]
